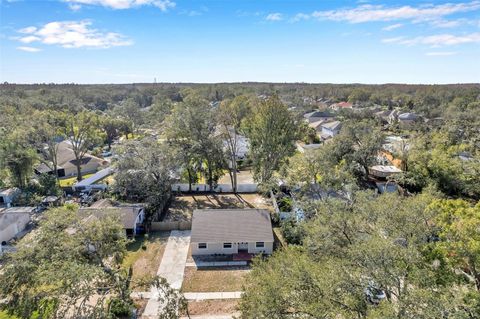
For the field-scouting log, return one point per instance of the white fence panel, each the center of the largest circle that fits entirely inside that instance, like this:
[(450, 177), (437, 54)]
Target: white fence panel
[(220, 188)]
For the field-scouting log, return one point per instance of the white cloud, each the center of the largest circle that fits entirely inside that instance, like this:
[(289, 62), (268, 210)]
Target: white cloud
[(163, 5), (437, 40), (73, 34), (28, 30), (74, 6), (392, 27), (29, 39), (441, 53), (300, 16), (369, 13), (274, 17), (29, 49)]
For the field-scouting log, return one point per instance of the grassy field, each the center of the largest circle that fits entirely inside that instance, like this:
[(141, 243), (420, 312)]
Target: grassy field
[(212, 280), (145, 255)]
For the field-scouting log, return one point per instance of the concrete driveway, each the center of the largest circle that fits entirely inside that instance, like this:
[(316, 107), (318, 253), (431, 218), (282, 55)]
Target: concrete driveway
[(171, 268)]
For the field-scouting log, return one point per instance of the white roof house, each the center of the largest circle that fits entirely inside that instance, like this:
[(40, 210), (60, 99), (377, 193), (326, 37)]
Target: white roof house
[(13, 221), (384, 171)]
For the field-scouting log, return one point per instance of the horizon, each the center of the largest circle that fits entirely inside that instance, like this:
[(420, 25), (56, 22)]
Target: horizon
[(370, 42)]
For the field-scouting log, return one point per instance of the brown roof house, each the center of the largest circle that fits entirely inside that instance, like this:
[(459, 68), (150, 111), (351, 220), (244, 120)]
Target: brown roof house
[(66, 162), (231, 232)]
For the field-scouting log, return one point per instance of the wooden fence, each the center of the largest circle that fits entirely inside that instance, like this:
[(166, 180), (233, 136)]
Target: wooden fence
[(167, 226)]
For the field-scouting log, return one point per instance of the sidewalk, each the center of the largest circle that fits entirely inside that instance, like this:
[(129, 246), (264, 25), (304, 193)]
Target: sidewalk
[(171, 268), (216, 263)]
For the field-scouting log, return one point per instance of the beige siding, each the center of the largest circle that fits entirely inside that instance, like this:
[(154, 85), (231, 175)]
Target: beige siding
[(217, 248), (213, 248), (267, 249)]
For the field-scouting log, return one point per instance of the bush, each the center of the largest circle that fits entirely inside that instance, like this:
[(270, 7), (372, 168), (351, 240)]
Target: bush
[(120, 309)]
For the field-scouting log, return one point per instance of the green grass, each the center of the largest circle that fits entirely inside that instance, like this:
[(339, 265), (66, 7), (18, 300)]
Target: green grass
[(69, 182)]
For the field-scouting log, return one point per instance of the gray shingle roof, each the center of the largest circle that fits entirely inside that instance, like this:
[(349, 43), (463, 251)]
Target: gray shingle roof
[(231, 225), (126, 214)]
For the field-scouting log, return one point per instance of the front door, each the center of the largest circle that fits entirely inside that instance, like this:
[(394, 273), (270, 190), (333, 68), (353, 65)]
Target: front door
[(242, 247)]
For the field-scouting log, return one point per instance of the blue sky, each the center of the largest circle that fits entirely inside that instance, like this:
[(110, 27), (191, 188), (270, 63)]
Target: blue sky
[(125, 41)]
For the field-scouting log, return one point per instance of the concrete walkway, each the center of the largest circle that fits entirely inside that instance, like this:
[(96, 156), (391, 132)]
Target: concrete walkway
[(209, 317), (212, 295), (171, 268), (216, 263)]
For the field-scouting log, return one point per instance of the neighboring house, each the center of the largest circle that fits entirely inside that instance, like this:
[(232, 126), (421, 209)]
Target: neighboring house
[(316, 116), (7, 196), (384, 171), (13, 222), (330, 129), (317, 126), (132, 217), (388, 116), (341, 105), (407, 118), (66, 162), (231, 232)]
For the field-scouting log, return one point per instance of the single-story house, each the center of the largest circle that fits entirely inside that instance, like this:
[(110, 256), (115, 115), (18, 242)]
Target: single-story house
[(132, 217), (407, 118), (66, 162), (7, 196), (316, 116), (384, 171), (341, 105), (231, 231), (13, 222), (388, 116), (331, 129)]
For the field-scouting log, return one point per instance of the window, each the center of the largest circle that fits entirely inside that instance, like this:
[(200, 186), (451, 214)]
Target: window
[(227, 245), (259, 244), (202, 245)]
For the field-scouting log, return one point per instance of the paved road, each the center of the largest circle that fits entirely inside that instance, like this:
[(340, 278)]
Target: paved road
[(171, 268)]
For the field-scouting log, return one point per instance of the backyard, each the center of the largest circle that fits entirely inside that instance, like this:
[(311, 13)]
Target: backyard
[(181, 207)]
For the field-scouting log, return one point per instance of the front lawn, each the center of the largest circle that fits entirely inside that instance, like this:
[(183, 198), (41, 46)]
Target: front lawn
[(212, 307), (145, 255), (214, 279)]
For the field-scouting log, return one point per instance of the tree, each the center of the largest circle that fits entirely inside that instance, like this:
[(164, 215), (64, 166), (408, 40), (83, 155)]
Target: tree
[(17, 155), (71, 268), (111, 128), (350, 247), (145, 171), (230, 118), (48, 131), (460, 237), (82, 131), (272, 133), (191, 129)]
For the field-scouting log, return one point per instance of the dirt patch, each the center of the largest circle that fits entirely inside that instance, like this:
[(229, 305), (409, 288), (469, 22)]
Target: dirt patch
[(145, 256), (214, 279), (212, 307), (182, 207)]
